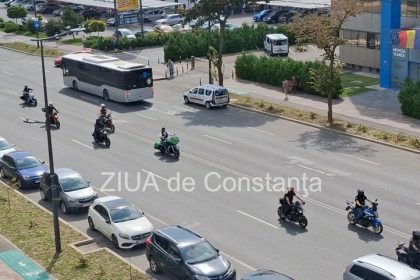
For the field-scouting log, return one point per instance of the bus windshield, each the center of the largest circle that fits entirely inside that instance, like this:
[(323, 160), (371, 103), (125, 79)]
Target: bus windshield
[(138, 79)]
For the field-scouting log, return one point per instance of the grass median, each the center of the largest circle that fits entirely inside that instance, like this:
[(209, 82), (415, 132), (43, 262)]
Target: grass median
[(31, 230), (32, 49), (397, 139)]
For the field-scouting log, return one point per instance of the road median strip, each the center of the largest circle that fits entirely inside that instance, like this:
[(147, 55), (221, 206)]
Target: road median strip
[(380, 136), (31, 49), (29, 226)]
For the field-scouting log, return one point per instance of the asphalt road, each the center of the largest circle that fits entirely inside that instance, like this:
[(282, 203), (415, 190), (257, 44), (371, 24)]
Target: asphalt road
[(236, 144)]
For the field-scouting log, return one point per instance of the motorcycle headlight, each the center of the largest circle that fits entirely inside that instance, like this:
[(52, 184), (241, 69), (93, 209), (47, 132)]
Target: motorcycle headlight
[(124, 236)]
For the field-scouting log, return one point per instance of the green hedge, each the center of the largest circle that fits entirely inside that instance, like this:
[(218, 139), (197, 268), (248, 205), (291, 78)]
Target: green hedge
[(10, 27), (106, 43), (185, 45), (274, 71), (410, 99)]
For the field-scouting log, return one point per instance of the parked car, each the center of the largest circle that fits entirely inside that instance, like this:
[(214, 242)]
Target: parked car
[(124, 32), (58, 12), (47, 8), (120, 221), (258, 17), (58, 61), (229, 26), (265, 275), (286, 17), (88, 14), (378, 267), (170, 19), (145, 31), (5, 147), (186, 255), (110, 21), (20, 3), (197, 22), (8, 3), (209, 95), (23, 166), (153, 15), (274, 16)]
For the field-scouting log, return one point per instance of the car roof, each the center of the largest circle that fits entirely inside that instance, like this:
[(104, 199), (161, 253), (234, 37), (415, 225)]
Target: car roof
[(112, 201), (397, 269), (276, 36), (64, 172), (20, 154), (3, 139), (180, 235), (265, 275), (211, 87)]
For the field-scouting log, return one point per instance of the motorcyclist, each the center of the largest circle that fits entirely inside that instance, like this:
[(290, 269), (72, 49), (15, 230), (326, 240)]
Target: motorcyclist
[(26, 96), (163, 136), (99, 126), (287, 200), (360, 204), (103, 111), (414, 249)]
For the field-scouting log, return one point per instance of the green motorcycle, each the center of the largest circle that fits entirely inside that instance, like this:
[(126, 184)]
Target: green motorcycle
[(170, 146)]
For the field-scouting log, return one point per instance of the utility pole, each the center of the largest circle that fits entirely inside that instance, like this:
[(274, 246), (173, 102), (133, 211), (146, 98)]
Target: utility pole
[(210, 75), (37, 34), (116, 19), (141, 18)]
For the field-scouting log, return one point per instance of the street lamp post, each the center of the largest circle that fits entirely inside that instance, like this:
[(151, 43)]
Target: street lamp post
[(37, 35), (141, 18), (116, 20), (210, 76), (53, 177)]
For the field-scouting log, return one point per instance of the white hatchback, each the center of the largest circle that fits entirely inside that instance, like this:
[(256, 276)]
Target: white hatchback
[(209, 95), (5, 147), (120, 221)]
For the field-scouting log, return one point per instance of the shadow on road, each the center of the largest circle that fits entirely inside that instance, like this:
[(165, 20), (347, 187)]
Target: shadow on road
[(292, 228), (365, 234), (165, 157), (333, 142)]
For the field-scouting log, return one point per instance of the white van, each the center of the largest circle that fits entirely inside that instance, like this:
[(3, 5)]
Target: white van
[(208, 95), (276, 44)]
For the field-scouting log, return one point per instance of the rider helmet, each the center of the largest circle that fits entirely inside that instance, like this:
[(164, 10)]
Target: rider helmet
[(360, 192)]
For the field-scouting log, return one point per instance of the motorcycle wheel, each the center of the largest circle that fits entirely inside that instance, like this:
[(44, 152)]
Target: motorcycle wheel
[(107, 142), (378, 228), (34, 103), (176, 153), (303, 222), (57, 124), (112, 128), (350, 218), (162, 149)]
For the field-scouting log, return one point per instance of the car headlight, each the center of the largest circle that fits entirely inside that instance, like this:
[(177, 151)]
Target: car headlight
[(72, 200), (199, 277), (124, 236), (26, 177)]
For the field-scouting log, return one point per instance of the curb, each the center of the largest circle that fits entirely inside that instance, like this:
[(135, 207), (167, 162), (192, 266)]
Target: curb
[(19, 51), (327, 129), (88, 238)]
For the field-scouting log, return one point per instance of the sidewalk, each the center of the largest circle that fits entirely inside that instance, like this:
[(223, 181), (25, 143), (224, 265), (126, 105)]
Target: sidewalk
[(14, 265)]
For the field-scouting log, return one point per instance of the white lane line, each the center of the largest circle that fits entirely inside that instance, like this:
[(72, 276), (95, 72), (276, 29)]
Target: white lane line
[(154, 174), (259, 130), (365, 160), (8, 91), (41, 84), (88, 98), (80, 143), (290, 50), (8, 73), (183, 109), (147, 117), (255, 218), (156, 219), (312, 47), (217, 139), (239, 262), (312, 169)]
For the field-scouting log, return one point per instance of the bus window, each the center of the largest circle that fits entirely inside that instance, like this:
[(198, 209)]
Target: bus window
[(138, 79)]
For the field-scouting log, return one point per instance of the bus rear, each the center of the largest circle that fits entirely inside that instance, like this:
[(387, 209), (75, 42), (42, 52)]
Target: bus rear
[(138, 84)]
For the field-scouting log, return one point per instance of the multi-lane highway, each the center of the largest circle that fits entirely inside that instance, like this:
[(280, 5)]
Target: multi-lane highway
[(236, 145)]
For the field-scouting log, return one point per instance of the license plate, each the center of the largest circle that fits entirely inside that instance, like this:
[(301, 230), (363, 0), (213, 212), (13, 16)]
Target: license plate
[(86, 204)]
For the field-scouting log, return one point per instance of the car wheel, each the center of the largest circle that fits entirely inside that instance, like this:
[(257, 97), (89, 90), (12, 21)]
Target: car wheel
[(19, 183), (154, 266), (105, 94), (2, 173), (44, 196), (208, 106), (186, 100), (75, 85), (63, 207), (91, 224), (115, 242)]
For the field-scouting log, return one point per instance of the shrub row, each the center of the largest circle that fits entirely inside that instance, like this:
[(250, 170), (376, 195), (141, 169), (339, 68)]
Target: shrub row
[(196, 43), (410, 99), (274, 71)]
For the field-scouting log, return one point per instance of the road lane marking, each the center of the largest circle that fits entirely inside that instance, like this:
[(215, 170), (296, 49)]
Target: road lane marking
[(217, 139), (154, 174), (312, 47), (259, 130), (8, 73), (8, 91), (88, 98), (292, 51), (255, 218), (330, 174), (365, 160), (147, 117), (184, 109), (239, 262), (156, 219), (80, 143), (232, 171)]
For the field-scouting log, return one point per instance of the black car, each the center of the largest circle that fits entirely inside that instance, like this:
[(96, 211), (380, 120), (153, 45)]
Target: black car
[(48, 8), (265, 275), (88, 14), (186, 255), (286, 17), (274, 16)]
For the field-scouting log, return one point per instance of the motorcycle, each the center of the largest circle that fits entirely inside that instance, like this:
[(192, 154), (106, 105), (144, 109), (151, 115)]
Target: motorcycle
[(54, 120), (295, 214), (29, 99), (370, 217), (170, 146), (101, 136), (404, 257), (107, 120)]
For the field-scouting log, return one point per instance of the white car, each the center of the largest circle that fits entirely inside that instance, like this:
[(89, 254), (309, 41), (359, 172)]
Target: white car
[(229, 26), (124, 32), (152, 15), (209, 95), (170, 19), (120, 221), (5, 147)]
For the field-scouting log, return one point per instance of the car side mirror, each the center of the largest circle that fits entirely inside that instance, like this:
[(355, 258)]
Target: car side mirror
[(13, 145), (43, 162), (108, 222), (217, 250)]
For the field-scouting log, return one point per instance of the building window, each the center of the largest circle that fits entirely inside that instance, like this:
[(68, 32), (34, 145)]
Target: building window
[(361, 38)]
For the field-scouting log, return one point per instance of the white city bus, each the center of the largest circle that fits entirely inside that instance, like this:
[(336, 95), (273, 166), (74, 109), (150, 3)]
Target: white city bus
[(108, 77)]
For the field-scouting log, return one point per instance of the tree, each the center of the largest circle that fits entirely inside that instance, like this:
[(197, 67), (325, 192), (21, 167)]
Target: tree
[(324, 32), (70, 18), (53, 27), (16, 12), (218, 10), (95, 26)]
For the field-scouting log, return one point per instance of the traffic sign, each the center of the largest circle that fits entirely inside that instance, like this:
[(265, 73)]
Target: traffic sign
[(36, 24)]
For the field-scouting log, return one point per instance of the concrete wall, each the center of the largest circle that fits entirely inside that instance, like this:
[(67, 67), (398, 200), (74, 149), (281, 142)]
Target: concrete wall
[(353, 55), (364, 22)]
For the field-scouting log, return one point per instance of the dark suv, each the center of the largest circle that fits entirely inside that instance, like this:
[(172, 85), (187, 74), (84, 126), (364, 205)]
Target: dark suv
[(186, 255)]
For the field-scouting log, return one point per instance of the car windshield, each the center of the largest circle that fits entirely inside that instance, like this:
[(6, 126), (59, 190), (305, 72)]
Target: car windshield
[(125, 32), (28, 162), (220, 92), (73, 183), (279, 42), (198, 253), (4, 145), (125, 213)]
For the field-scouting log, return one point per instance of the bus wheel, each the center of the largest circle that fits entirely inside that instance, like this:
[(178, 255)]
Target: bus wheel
[(75, 85), (106, 94)]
